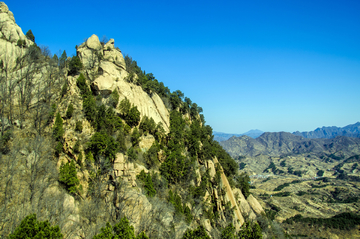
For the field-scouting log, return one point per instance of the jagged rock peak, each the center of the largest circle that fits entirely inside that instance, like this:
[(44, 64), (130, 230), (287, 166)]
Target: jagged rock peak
[(9, 30)]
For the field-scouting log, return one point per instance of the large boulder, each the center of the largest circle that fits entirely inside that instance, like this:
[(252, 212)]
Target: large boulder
[(245, 208), (255, 205)]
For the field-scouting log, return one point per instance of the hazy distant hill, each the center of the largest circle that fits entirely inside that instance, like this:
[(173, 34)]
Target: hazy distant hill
[(219, 136), (281, 143), (352, 130)]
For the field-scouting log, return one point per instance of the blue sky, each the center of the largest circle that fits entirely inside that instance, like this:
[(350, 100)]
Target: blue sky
[(268, 65)]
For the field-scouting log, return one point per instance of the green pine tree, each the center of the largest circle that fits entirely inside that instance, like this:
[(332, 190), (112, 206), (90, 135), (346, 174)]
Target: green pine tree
[(58, 130), (30, 227)]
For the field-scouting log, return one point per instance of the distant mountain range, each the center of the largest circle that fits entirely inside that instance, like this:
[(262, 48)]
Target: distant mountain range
[(219, 136), (351, 130), (283, 143)]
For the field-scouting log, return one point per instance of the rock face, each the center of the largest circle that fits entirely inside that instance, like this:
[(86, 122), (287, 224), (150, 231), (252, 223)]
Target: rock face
[(105, 65), (10, 33)]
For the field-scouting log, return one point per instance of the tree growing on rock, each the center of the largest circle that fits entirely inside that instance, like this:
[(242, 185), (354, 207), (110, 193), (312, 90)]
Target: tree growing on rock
[(30, 36)]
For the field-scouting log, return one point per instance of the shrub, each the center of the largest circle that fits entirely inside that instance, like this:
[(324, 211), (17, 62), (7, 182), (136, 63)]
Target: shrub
[(68, 177), (146, 179), (135, 137), (114, 98), (122, 229), (242, 165), (52, 113), (77, 147), (64, 88), (59, 148), (250, 230), (70, 111), (102, 144), (175, 200), (320, 173), (79, 126), (30, 227), (148, 125), (133, 118), (132, 155), (198, 233)]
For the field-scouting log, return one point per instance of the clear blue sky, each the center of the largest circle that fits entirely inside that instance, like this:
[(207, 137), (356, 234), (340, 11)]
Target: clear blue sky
[(268, 65)]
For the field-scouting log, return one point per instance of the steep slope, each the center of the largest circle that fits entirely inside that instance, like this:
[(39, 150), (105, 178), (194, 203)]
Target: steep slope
[(352, 130)]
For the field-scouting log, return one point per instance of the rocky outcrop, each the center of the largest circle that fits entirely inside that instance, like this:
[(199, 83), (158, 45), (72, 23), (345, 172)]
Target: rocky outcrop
[(105, 66), (10, 34), (245, 208), (255, 205)]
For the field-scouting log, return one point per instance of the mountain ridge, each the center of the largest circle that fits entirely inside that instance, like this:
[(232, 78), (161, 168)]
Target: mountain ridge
[(220, 136), (351, 130), (282, 143)]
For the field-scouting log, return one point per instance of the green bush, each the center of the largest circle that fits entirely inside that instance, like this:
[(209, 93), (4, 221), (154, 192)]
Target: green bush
[(64, 88), (148, 125), (68, 177), (114, 98), (250, 230), (77, 147), (198, 233), (146, 179), (320, 173), (135, 137), (132, 155), (79, 126), (175, 199), (30, 227), (124, 107), (102, 144), (122, 230), (70, 111), (133, 118)]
